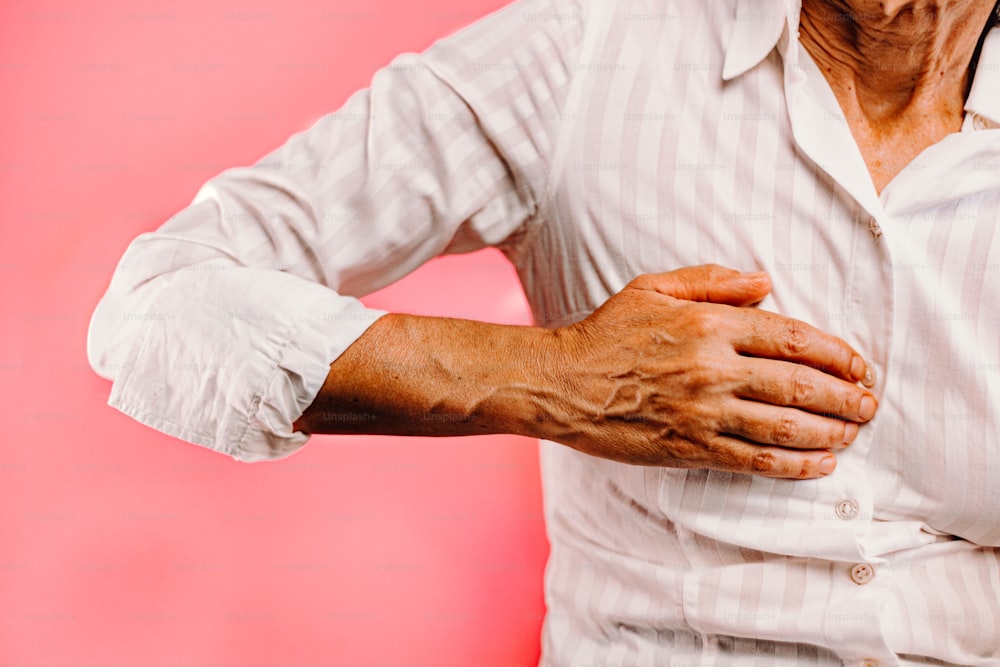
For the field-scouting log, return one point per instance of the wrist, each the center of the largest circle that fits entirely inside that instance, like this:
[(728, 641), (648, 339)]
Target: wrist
[(530, 398)]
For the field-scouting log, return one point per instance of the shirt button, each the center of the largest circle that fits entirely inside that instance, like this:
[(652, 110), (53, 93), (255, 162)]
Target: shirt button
[(978, 122), (847, 509), (869, 379), (862, 573), (875, 228), (869, 663)]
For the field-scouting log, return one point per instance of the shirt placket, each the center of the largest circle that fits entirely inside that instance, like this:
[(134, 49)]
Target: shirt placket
[(858, 589)]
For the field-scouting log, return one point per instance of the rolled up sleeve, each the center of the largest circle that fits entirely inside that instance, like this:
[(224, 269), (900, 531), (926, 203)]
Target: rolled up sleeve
[(219, 327)]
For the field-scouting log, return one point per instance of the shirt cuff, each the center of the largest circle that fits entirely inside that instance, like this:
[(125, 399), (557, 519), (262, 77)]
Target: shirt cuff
[(235, 380)]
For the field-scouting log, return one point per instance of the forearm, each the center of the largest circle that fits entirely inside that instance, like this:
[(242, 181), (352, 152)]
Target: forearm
[(413, 375), (672, 370)]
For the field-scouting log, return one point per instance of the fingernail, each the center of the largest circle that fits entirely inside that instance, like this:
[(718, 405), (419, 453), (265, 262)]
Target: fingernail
[(827, 465), (850, 432), (869, 379), (857, 368), (756, 275), (867, 410)]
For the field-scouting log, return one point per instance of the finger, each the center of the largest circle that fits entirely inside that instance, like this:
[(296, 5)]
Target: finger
[(709, 282), (735, 455), (774, 336), (795, 385), (786, 427)]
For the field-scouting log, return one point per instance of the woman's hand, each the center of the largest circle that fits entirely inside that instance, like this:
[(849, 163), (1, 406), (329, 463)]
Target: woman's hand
[(675, 371)]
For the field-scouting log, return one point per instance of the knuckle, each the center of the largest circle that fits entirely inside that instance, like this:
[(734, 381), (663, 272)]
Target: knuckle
[(786, 431), (706, 371), (808, 469), (802, 388), (705, 322), (764, 461), (642, 281), (795, 337), (850, 405)]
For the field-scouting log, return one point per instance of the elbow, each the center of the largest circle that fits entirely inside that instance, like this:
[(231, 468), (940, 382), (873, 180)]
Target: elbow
[(113, 325), (107, 338)]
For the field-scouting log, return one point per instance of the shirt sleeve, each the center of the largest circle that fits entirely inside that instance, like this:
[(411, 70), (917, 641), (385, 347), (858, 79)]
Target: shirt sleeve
[(219, 327)]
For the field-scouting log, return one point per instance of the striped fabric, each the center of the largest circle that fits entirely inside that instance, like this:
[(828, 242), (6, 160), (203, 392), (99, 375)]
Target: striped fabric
[(594, 140)]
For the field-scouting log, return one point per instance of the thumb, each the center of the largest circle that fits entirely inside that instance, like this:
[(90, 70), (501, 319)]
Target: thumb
[(708, 282)]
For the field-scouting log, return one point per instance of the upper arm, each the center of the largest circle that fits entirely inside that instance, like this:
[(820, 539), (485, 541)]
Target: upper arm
[(219, 326)]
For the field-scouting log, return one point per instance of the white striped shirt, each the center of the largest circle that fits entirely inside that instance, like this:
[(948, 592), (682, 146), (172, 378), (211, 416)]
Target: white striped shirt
[(592, 141)]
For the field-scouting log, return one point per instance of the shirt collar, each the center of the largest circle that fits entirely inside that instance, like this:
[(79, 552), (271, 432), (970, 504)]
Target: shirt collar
[(984, 97), (757, 26)]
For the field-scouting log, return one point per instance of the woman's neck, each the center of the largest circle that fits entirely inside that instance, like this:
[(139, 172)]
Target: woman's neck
[(899, 69)]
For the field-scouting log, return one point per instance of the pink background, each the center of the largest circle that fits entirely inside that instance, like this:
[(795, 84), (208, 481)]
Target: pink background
[(122, 546)]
